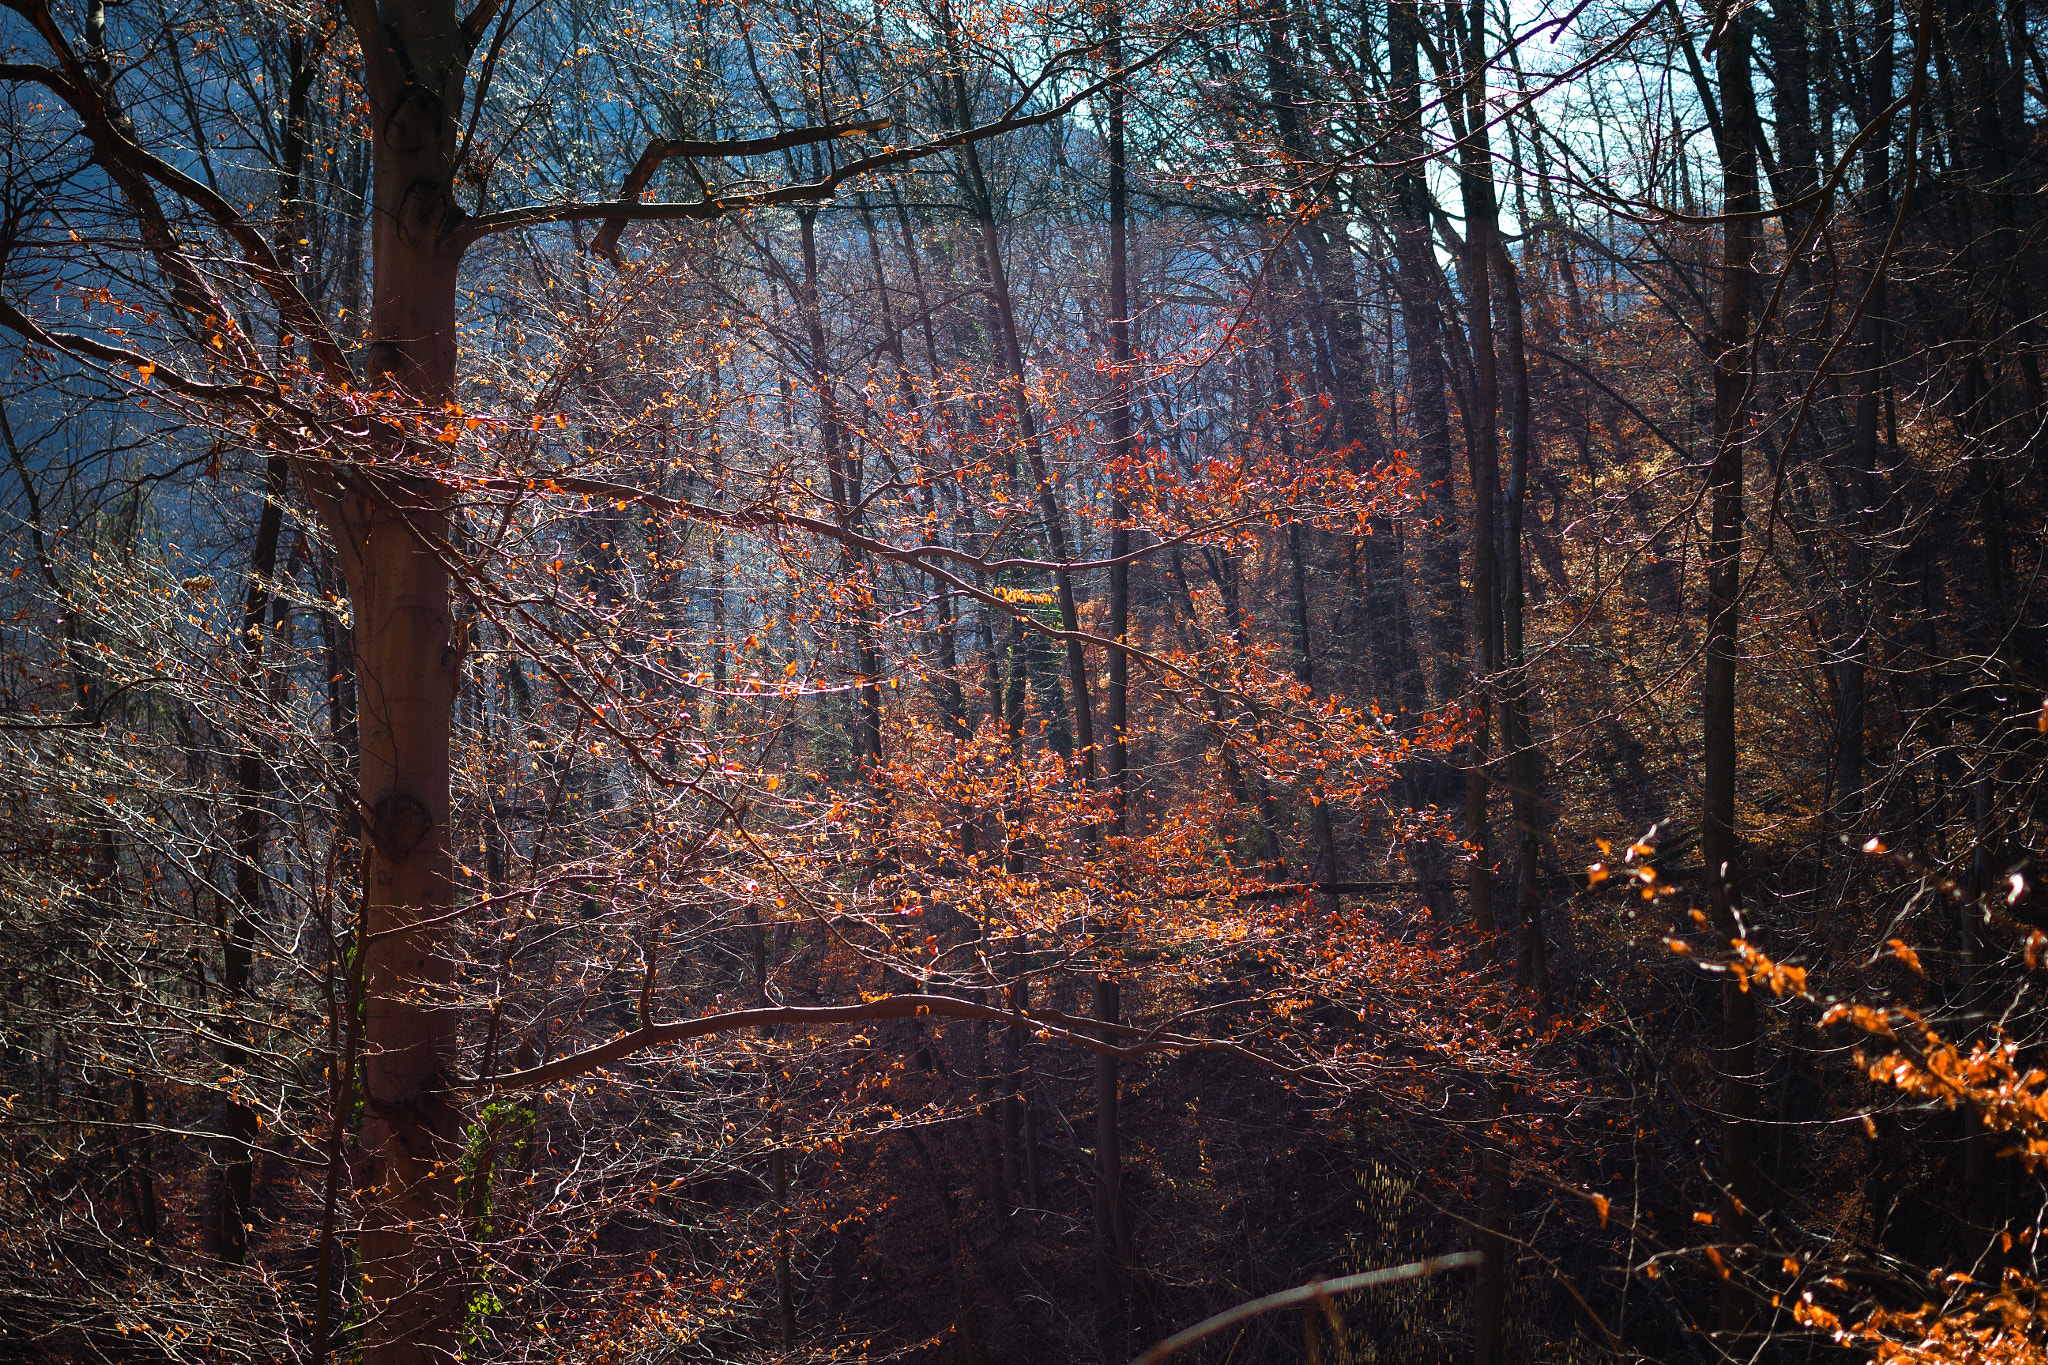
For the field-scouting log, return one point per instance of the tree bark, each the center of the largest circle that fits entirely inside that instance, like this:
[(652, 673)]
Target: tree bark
[(406, 677)]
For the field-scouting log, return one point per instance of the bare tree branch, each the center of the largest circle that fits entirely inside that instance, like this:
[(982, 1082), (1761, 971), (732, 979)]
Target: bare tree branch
[(663, 149), (630, 210), (1062, 1027), (133, 167)]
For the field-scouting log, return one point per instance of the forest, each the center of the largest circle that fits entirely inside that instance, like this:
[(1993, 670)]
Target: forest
[(1005, 681)]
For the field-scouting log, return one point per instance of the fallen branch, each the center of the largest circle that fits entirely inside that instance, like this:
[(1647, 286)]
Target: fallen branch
[(1317, 1291)]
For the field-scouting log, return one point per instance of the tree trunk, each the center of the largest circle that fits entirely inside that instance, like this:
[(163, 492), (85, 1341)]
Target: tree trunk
[(972, 1351), (224, 1235), (1321, 829), (1004, 307), (1525, 763), (1860, 479), (1111, 1233), (785, 1286), (1419, 283), (1223, 568), (1731, 359), (1470, 116), (1482, 430), (392, 533)]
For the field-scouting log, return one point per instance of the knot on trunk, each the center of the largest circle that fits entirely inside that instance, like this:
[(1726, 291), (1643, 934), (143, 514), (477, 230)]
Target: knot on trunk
[(400, 825)]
